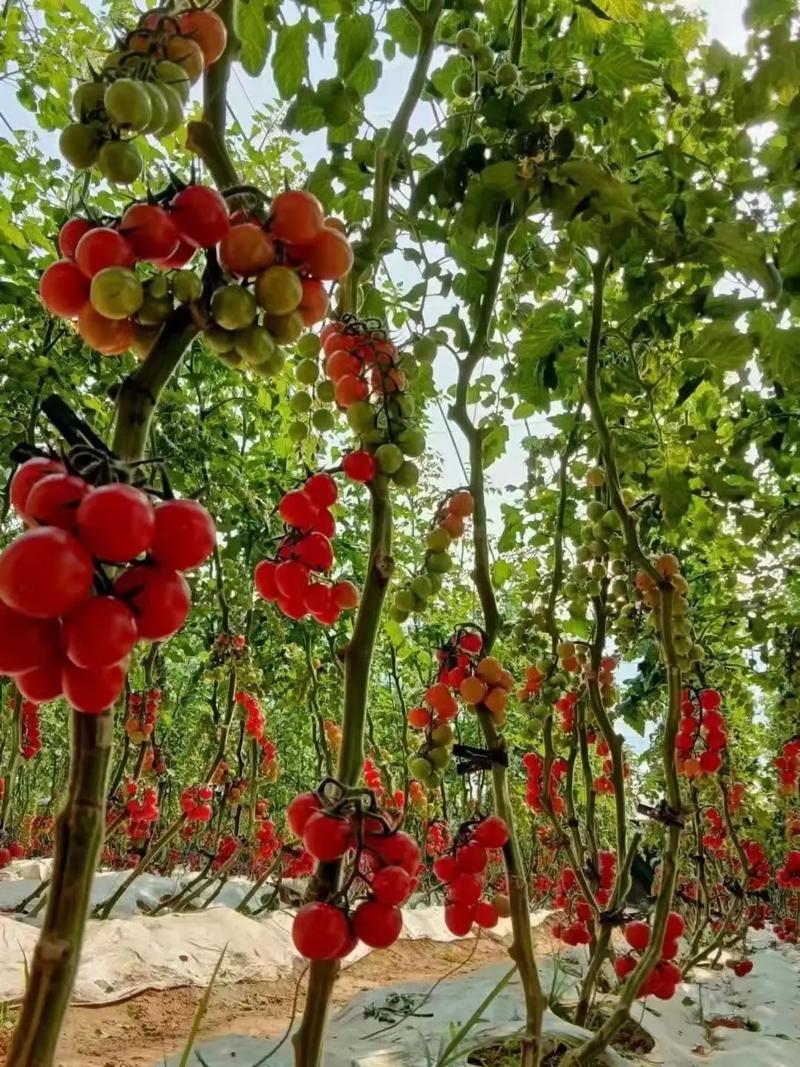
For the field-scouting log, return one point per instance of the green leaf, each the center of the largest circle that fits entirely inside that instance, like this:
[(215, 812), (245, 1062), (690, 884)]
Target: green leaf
[(290, 59), (619, 68), (355, 37), (744, 250), (721, 345), (502, 570), (255, 34), (403, 29), (673, 487), (305, 113)]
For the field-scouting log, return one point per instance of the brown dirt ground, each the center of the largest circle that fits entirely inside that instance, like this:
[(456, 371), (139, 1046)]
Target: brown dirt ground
[(142, 1031)]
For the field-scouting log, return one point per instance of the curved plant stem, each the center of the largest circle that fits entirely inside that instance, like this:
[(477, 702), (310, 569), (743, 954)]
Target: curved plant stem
[(521, 950), (78, 840), (357, 662), (10, 772)]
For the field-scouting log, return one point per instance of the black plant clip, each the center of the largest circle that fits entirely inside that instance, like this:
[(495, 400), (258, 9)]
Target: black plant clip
[(478, 759), (662, 813)]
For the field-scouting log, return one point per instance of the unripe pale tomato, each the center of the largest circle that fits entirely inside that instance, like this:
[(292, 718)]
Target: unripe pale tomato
[(116, 293)]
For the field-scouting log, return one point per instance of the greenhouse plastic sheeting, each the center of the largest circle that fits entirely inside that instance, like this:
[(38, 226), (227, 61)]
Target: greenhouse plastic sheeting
[(125, 956), (357, 1039)]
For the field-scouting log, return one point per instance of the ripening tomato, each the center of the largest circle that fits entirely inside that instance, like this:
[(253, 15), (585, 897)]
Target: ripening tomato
[(314, 303), (111, 337), (322, 932), (54, 500), (345, 595), (296, 217), (45, 573), (158, 597), (101, 632), (102, 247), (377, 924), (187, 54), (207, 30), (25, 478), (264, 579), (26, 643), (150, 231), (300, 811), (92, 691), (201, 215), (42, 684), (116, 523), (328, 257), (246, 249), (64, 289), (179, 258), (184, 535), (70, 234)]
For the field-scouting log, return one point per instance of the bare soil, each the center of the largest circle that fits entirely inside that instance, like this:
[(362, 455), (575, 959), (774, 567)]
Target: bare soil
[(144, 1030)]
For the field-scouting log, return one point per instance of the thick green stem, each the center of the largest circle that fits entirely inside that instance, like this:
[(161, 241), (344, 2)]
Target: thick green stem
[(206, 138), (587, 1053), (308, 1040), (78, 840), (368, 251), (10, 772)]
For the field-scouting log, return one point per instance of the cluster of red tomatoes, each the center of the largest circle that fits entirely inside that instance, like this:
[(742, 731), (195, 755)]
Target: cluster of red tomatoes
[(757, 875), (30, 735), (142, 89), (371, 774), (254, 716), (463, 872), (142, 714), (12, 851), (786, 930), (788, 876), (386, 860), (788, 767), (360, 362), (142, 813), (701, 736), (296, 578), (196, 803), (288, 254), (535, 788), (663, 980), (67, 627), (575, 931)]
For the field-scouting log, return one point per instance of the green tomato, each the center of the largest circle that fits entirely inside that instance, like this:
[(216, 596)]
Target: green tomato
[(463, 86), (438, 562), (467, 42), (398, 615), (421, 587), (174, 105), (595, 476), (439, 757), (154, 309), (323, 420), (116, 292), (442, 734), (175, 77), (128, 104), (278, 290), (326, 392), (361, 417), (254, 344), (438, 540), (158, 108), (120, 162), (285, 328), (233, 307), (424, 349), (595, 510), (298, 431), (483, 58), (307, 371), (419, 767), (389, 458), (308, 347), (79, 145), (88, 99), (230, 358), (220, 341), (412, 441), (186, 286), (611, 520), (404, 600), (407, 475), (301, 403), (436, 581), (506, 74), (272, 366)]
